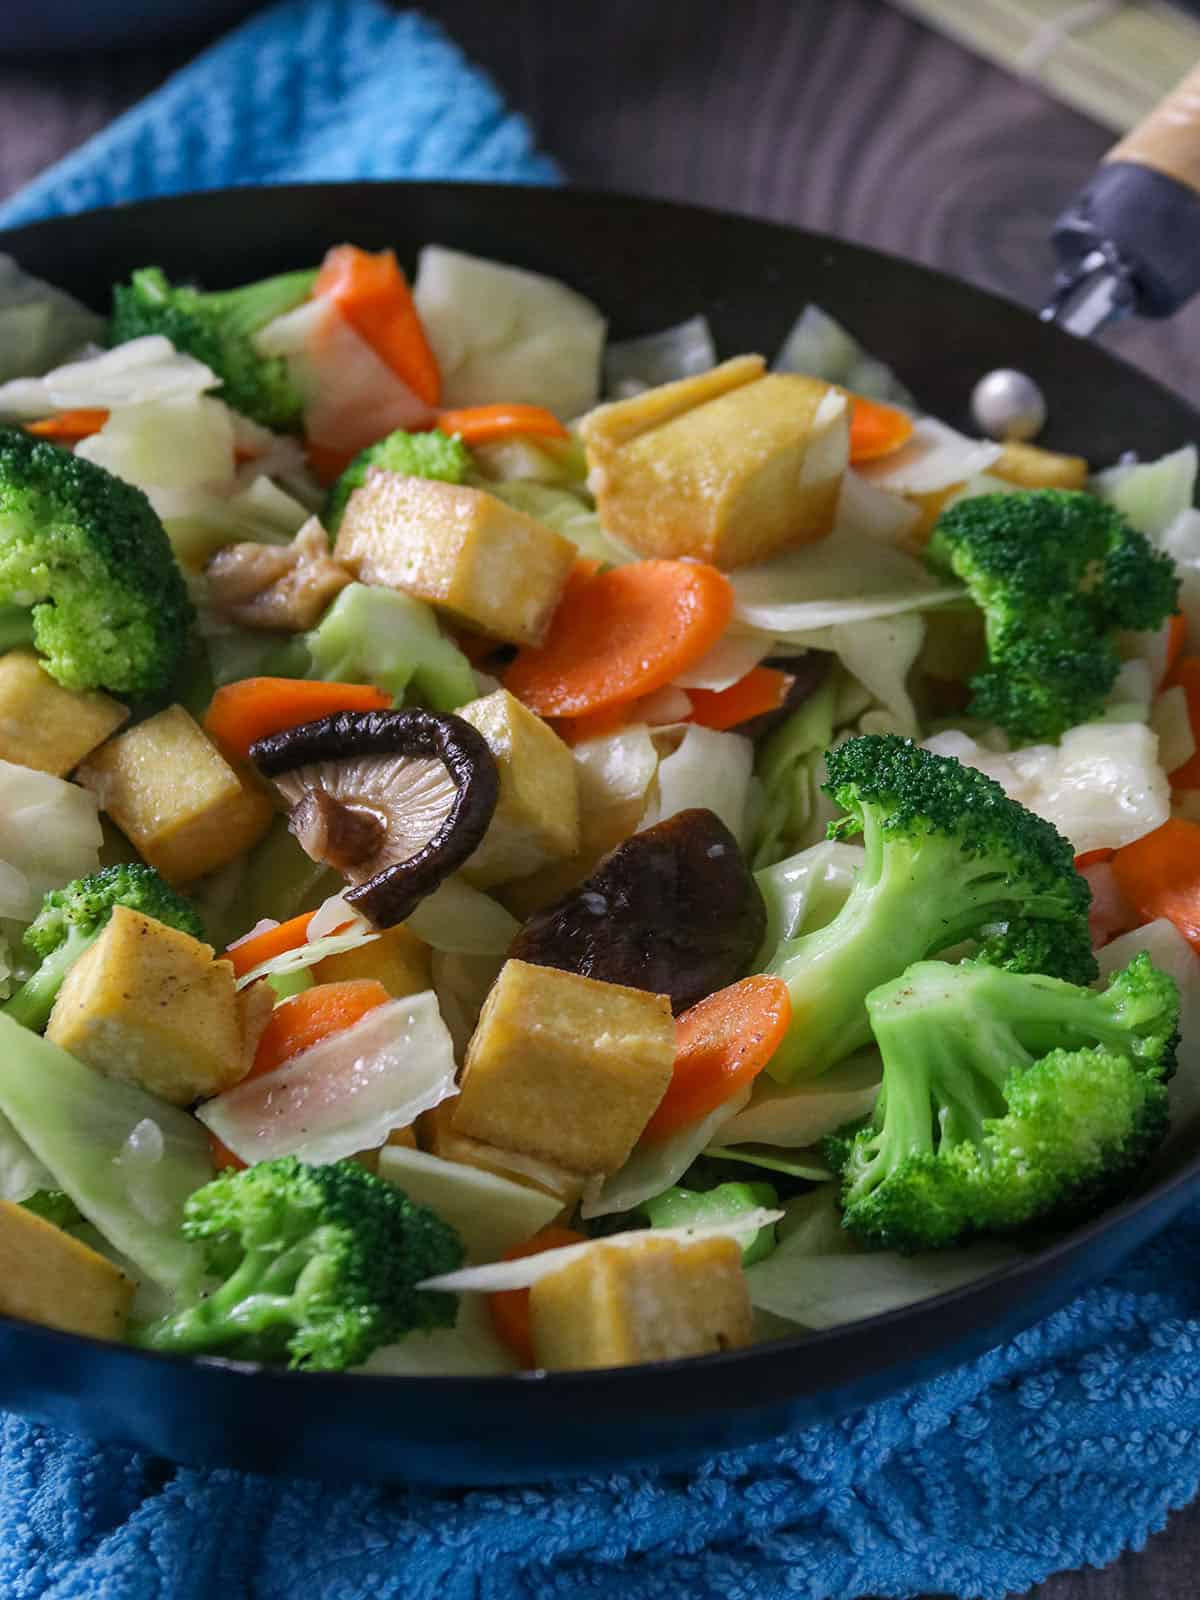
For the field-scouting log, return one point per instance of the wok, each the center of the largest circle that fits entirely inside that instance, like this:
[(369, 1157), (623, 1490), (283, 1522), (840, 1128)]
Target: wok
[(648, 264)]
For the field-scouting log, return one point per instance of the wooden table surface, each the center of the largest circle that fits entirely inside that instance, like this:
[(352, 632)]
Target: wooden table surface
[(842, 115)]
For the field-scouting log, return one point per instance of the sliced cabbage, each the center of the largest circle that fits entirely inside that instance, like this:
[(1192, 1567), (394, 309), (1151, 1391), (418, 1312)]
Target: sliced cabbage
[(497, 1276), (682, 351), (1101, 785), (21, 1173), (865, 508), (560, 463), (822, 348), (78, 1124), (352, 397), (847, 578), (49, 834), (706, 768), (199, 522), (727, 1202), (142, 372), (936, 457), (1170, 951), (789, 768), (172, 444), (501, 333), (655, 1166), (470, 1349), (491, 1214), (1181, 541), (1151, 494), (797, 1115), (835, 1282), (1171, 724), (805, 1164), (807, 891), (39, 324), (727, 663), (1131, 694), (308, 954), (459, 920), (461, 984), (567, 514), (879, 655), (344, 1094)]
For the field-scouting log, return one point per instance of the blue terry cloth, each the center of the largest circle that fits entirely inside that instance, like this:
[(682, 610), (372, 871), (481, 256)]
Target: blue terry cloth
[(1063, 1448), (309, 91)]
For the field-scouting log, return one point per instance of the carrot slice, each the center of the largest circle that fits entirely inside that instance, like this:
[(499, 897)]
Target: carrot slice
[(240, 713), (1185, 674), (1093, 858), (69, 427), (327, 463), (875, 429), (1159, 875), (721, 1044), (622, 634), (510, 1307), (486, 424), (1176, 638), (297, 1024), (373, 295), (762, 689), (247, 953)]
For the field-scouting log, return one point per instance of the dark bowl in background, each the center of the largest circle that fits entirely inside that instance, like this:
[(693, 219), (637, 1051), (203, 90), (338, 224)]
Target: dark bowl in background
[(648, 264), (68, 25)]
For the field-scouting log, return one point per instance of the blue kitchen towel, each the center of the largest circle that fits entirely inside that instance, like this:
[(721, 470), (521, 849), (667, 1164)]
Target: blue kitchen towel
[(1062, 1448)]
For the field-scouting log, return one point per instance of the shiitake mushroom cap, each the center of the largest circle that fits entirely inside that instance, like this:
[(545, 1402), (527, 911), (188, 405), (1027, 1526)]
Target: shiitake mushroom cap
[(673, 909), (394, 800)]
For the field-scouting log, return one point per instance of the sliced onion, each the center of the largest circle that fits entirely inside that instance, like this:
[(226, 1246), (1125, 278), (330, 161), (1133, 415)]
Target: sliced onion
[(682, 351), (346, 1093), (497, 1276)]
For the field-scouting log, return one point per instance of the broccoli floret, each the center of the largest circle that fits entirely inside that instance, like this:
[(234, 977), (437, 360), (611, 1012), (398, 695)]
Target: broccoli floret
[(319, 1267), (87, 570), (218, 329), (73, 918), (417, 455), (1007, 1099), (948, 858), (54, 1206), (1055, 572)]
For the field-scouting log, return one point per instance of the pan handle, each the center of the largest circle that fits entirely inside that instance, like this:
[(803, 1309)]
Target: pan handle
[(1168, 139)]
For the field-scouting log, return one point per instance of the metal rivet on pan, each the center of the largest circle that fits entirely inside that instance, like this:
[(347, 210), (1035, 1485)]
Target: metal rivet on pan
[(1007, 404)]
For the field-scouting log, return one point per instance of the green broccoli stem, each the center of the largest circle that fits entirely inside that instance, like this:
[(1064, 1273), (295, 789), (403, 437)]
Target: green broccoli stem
[(34, 1000), (240, 1308), (16, 627), (253, 305)]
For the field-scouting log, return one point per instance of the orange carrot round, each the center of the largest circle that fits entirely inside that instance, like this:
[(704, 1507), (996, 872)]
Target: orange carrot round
[(69, 427), (241, 713), (248, 953), (763, 689), (296, 1025), (1177, 629), (510, 1307), (721, 1044), (875, 429), (1093, 858), (1159, 875), (372, 294), (486, 424), (621, 634)]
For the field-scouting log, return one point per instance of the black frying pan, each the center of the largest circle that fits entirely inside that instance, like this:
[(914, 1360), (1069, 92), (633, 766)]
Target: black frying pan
[(648, 264)]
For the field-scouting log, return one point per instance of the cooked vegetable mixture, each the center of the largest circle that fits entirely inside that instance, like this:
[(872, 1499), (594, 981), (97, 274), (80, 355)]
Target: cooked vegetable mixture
[(524, 850)]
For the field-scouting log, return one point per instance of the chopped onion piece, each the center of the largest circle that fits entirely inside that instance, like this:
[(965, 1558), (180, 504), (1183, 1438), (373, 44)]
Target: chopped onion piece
[(935, 457), (498, 1276), (679, 352), (344, 1094)]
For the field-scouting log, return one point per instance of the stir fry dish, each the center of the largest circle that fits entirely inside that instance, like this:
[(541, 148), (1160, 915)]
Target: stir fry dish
[(523, 850)]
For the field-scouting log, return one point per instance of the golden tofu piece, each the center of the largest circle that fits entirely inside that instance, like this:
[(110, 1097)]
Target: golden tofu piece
[(460, 549), (439, 1138), (729, 467), (150, 1005), (47, 1276), (171, 791), (655, 1300), (536, 820), (47, 727), (397, 959), (406, 1136), (1031, 467), (565, 1068)]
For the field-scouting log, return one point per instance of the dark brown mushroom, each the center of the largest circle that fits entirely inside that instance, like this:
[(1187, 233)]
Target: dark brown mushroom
[(393, 800), (674, 909)]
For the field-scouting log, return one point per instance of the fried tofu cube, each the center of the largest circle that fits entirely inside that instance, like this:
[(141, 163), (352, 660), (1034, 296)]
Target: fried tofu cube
[(1031, 467), (150, 1005), (439, 1137), (47, 727), (49, 1277), (460, 549), (397, 959), (729, 467), (655, 1300), (565, 1068), (536, 820), (171, 791)]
